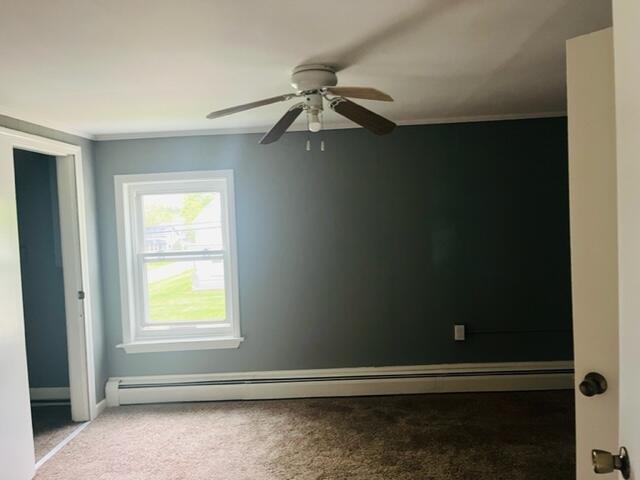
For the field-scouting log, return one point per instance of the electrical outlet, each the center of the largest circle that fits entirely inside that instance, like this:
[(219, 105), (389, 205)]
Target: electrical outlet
[(459, 333)]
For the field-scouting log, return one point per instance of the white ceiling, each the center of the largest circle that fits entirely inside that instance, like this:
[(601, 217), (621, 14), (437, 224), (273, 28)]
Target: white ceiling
[(126, 66)]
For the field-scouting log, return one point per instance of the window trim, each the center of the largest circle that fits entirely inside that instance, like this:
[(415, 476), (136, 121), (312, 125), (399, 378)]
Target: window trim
[(182, 336)]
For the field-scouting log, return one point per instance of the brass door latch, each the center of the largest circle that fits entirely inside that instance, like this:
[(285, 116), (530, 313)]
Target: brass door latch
[(605, 462)]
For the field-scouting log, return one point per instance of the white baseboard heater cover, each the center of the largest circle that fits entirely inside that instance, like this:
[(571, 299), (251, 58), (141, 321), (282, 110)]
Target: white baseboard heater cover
[(340, 382)]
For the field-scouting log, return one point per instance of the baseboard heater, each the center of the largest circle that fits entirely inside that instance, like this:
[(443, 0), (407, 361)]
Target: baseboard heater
[(341, 382)]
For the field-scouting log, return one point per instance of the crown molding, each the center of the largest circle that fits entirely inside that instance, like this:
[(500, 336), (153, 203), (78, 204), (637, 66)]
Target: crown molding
[(340, 126), (43, 122), (20, 116)]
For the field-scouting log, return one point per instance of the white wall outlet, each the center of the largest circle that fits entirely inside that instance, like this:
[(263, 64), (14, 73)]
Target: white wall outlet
[(459, 334)]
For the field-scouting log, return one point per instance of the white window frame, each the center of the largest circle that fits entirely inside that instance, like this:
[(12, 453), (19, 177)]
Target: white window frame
[(139, 337)]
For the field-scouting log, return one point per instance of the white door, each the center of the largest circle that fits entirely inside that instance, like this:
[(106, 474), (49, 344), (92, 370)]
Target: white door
[(81, 378), (16, 440), (594, 241), (603, 78)]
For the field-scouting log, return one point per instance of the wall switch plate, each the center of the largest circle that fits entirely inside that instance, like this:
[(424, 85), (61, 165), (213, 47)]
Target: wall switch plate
[(459, 333)]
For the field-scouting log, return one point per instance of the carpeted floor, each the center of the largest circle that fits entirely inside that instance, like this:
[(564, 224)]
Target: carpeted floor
[(51, 425), (486, 436)]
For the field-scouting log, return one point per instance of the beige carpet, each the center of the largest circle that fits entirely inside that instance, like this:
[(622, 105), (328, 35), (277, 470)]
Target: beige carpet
[(490, 436), (51, 425)]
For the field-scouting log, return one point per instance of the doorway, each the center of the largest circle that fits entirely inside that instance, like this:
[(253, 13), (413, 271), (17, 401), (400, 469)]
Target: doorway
[(64, 309), (43, 299)]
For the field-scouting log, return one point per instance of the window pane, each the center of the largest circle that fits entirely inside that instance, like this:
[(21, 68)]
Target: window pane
[(182, 221), (185, 291)]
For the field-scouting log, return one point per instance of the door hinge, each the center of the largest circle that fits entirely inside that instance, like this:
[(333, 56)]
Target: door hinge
[(80, 295)]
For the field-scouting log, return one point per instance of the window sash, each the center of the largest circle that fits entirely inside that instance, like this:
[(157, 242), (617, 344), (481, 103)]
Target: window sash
[(182, 255), (168, 188), (146, 327)]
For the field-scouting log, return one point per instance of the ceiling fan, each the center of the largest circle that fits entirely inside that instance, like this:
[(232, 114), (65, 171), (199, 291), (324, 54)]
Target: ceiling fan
[(314, 84)]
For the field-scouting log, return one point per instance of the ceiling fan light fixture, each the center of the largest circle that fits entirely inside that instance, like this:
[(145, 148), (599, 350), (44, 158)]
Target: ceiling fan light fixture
[(314, 120)]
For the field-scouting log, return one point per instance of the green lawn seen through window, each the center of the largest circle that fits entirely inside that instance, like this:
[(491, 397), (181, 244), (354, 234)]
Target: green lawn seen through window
[(173, 299), (157, 264)]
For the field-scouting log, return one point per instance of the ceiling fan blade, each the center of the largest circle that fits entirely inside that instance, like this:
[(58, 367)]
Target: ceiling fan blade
[(285, 122), (366, 93), (362, 116), (249, 106)]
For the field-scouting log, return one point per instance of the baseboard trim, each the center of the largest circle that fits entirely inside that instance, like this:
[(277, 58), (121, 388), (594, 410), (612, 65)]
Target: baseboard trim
[(339, 382), (49, 394), (101, 406)]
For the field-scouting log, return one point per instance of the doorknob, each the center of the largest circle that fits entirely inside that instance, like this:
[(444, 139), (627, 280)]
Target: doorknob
[(593, 384), (605, 462)]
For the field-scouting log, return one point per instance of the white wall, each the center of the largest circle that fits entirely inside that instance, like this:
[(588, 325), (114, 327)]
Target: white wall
[(626, 21), (16, 442)]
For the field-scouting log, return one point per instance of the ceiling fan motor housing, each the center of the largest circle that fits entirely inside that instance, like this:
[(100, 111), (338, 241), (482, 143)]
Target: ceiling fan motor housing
[(313, 77), (313, 102)]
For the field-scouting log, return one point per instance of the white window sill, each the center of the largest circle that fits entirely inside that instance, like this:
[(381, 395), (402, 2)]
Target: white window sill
[(181, 345)]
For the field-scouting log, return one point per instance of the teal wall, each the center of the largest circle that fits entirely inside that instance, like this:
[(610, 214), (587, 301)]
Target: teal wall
[(367, 253), (99, 339), (41, 269)]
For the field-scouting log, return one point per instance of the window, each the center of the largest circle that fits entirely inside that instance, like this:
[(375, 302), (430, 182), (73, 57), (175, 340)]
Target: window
[(178, 269)]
